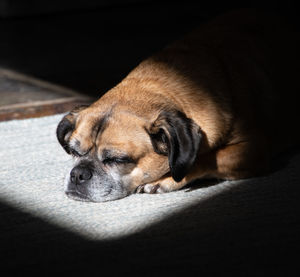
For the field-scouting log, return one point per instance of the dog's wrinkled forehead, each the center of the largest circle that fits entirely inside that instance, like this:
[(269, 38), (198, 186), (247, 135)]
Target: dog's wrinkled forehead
[(113, 130), (86, 130), (87, 127)]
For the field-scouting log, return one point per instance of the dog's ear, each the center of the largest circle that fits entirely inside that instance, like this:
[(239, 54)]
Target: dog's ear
[(177, 136), (66, 126)]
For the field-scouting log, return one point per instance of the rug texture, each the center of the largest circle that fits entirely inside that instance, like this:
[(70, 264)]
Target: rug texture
[(248, 225)]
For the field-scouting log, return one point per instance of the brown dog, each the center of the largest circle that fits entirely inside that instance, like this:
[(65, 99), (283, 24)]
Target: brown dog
[(217, 104)]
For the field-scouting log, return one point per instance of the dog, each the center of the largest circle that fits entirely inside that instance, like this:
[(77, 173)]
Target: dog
[(219, 103)]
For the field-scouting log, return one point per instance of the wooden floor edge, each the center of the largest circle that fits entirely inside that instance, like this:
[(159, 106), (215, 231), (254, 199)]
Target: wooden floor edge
[(41, 110), (46, 102)]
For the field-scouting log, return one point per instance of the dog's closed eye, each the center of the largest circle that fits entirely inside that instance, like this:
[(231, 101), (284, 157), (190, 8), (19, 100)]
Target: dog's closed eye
[(118, 160)]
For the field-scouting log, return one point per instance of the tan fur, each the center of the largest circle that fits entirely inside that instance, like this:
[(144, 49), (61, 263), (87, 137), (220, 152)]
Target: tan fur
[(236, 77)]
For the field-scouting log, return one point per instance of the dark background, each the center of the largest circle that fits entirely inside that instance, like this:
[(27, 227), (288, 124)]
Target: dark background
[(91, 45)]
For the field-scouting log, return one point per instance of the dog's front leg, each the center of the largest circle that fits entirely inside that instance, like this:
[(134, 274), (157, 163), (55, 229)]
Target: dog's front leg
[(237, 161), (203, 168)]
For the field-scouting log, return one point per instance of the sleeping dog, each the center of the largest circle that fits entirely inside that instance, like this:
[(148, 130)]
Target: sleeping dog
[(220, 103)]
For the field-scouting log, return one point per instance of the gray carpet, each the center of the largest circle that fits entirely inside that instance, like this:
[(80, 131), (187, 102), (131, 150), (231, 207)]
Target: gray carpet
[(249, 225)]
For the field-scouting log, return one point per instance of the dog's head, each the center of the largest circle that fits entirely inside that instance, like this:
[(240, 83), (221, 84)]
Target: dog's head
[(118, 150)]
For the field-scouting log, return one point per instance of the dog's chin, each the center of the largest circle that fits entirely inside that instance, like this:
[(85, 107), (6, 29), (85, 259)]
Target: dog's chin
[(77, 196), (95, 192), (73, 194)]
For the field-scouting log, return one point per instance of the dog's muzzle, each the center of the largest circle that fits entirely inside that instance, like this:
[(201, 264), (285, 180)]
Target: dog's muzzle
[(88, 181)]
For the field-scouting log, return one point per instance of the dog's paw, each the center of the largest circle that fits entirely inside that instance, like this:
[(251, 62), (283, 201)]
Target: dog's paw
[(163, 185), (150, 188)]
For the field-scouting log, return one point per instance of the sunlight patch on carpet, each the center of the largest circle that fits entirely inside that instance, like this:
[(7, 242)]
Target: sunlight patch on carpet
[(33, 167)]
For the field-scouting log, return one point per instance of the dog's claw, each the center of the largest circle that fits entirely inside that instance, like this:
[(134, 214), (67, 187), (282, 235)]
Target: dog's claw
[(153, 189), (140, 189)]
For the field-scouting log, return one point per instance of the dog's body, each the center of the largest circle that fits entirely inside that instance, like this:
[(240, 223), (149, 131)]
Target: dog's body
[(218, 104)]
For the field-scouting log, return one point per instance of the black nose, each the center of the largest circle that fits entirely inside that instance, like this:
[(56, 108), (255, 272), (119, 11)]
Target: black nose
[(80, 174)]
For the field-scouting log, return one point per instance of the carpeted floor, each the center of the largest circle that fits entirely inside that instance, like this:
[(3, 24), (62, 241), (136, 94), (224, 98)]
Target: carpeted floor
[(248, 226)]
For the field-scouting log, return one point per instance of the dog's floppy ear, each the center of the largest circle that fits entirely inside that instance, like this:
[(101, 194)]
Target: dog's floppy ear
[(179, 137), (66, 127)]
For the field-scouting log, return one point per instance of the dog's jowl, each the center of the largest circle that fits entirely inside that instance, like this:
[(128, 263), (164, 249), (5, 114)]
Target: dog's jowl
[(220, 103)]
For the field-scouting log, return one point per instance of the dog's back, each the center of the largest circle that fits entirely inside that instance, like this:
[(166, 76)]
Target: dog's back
[(271, 70), (247, 60)]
